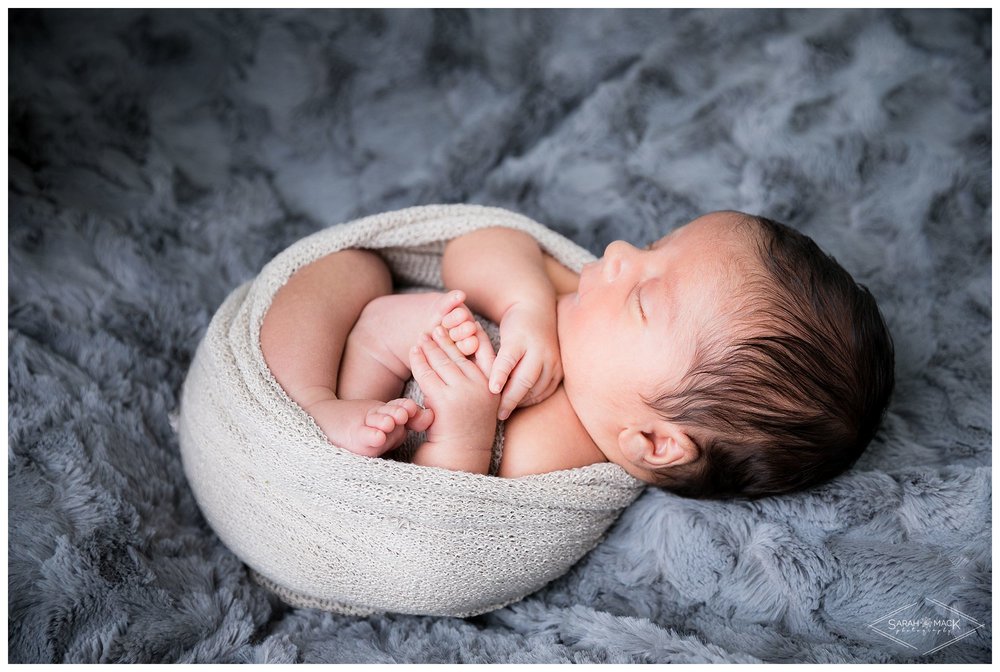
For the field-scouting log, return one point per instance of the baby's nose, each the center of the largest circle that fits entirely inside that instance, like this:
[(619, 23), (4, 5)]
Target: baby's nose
[(616, 256)]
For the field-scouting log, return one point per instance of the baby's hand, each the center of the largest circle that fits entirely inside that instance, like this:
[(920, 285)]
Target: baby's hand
[(455, 389), (528, 367)]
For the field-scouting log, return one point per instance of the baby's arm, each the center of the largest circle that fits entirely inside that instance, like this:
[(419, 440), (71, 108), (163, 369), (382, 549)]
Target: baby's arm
[(502, 272), (497, 268)]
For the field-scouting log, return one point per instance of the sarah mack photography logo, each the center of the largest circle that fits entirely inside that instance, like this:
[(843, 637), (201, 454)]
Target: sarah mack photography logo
[(926, 624)]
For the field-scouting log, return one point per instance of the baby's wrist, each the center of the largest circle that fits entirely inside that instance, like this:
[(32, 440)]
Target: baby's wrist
[(540, 309), (467, 442), (455, 455)]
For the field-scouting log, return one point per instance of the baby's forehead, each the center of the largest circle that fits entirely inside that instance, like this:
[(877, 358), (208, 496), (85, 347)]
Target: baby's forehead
[(723, 232), (727, 256)]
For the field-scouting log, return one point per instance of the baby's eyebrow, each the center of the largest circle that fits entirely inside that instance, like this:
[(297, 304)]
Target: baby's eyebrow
[(654, 244)]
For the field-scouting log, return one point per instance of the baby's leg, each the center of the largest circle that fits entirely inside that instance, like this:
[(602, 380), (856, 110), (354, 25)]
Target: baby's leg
[(306, 327), (303, 337)]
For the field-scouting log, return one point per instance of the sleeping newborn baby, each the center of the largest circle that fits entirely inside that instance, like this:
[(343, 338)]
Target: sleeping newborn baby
[(731, 357)]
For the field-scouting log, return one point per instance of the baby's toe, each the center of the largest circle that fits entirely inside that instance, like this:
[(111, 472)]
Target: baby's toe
[(447, 303), (468, 346), (464, 330), (378, 420), (457, 316), (407, 404), (370, 440), (397, 412)]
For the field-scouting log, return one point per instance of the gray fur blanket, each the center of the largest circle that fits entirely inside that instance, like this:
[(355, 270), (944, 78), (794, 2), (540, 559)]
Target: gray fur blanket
[(158, 159)]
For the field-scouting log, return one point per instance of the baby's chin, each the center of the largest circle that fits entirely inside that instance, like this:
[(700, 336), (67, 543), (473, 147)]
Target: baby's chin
[(568, 328), (567, 300)]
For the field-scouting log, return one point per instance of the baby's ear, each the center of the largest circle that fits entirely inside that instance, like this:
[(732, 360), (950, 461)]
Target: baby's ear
[(664, 445)]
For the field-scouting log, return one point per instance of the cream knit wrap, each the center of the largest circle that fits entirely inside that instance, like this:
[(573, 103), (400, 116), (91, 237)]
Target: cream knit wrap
[(328, 529)]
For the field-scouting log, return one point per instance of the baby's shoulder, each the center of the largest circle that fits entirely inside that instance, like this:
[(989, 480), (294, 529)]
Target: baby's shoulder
[(545, 437), (563, 279)]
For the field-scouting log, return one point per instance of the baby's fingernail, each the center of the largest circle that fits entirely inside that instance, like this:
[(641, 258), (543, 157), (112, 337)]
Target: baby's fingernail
[(494, 388)]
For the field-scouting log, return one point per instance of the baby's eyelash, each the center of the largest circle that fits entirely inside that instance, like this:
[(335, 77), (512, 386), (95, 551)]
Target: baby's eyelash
[(638, 302)]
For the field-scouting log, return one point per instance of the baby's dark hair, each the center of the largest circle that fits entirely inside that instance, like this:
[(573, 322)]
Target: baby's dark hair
[(797, 395)]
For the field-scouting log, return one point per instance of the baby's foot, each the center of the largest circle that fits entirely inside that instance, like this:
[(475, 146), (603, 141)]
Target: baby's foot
[(390, 325), (369, 427), (452, 314)]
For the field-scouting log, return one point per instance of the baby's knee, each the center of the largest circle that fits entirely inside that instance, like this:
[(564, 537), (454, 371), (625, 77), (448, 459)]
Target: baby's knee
[(367, 269)]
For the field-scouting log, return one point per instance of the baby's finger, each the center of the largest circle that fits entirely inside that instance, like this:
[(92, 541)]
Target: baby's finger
[(504, 363), (421, 368), (423, 419), (541, 390), (547, 391), (543, 387), (445, 367), (519, 385)]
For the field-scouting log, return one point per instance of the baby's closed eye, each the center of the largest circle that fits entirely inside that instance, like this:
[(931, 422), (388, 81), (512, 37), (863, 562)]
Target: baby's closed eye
[(637, 297)]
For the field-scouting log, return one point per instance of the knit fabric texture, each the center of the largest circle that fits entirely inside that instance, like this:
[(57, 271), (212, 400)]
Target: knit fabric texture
[(325, 528)]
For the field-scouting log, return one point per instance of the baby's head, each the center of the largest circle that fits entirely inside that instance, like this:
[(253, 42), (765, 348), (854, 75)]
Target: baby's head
[(729, 358)]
